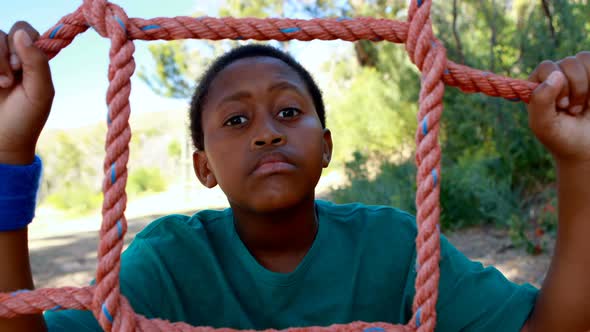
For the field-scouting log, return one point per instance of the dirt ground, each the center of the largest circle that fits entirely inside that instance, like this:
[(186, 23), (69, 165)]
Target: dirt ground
[(64, 253), (493, 247)]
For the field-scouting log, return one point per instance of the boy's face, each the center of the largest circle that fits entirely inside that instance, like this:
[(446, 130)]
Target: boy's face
[(264, 142)]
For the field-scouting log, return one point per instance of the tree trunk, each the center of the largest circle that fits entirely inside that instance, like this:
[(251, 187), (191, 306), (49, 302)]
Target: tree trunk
[(456, 34), (549, 16), (491, 20)]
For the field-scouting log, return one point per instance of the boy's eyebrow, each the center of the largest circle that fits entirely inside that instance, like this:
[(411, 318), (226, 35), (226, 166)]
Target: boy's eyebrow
[(283, 85), (236, 96)]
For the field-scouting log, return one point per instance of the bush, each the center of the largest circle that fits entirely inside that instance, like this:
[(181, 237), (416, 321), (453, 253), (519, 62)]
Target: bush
[(470, 194), (174, 149), (145, 180), (75, 199), (535, 230), (393, 184)]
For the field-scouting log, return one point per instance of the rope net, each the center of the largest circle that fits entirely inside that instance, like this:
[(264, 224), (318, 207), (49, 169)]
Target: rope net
[(104, 299)]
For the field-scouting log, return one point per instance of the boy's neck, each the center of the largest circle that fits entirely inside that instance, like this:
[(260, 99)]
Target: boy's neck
[(279, 240)]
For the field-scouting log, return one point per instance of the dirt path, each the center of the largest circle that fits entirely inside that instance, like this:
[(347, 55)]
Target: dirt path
[(493, 247), (69, 258), (66, 255)]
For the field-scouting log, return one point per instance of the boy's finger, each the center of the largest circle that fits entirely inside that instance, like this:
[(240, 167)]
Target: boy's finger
[(542, 105), (584, 59), (36, 72), (6, 76), (575, 73), (541, 74), (15, 61)]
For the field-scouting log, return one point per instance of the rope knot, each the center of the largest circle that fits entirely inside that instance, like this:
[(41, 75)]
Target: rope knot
[(103, 16)]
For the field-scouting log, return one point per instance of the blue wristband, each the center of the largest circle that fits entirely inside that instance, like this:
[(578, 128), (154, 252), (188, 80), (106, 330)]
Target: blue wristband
[(18, 194)]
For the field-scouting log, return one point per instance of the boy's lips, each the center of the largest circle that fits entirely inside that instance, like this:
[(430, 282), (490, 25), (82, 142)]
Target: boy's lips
[(274, 162)]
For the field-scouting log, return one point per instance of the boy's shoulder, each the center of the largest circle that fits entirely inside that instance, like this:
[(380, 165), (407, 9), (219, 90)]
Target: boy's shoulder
[(377, 220), (360, 213)]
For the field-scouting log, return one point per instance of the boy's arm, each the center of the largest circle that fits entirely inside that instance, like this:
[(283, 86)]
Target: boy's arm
[(16, 274), (564, 128), (15, 270), (26, 94), (564, 301)]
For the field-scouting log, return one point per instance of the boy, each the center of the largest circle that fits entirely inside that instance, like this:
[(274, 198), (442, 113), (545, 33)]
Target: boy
[(278, 257)]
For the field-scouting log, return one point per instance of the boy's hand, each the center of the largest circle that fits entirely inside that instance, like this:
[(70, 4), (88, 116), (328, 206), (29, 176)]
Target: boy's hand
[(26, 94), (559, 110)]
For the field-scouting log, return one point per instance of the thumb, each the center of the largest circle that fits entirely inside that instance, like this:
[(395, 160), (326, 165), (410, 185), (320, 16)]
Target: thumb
[(542, 107), (544, 97), (36, 73)]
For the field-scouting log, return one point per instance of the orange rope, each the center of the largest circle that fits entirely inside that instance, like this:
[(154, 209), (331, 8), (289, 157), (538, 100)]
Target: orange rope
[(108, 305)]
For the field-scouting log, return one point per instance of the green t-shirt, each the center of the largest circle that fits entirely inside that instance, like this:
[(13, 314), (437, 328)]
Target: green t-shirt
[(361, 266)]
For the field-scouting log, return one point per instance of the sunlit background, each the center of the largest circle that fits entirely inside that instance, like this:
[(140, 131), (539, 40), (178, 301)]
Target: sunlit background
[(498, 183)]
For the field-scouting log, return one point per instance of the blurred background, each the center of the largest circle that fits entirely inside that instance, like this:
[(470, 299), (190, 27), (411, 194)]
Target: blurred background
[(498, 183)]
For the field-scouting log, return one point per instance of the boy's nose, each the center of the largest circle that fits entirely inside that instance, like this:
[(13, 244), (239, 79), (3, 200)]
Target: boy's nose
[(268, 136)]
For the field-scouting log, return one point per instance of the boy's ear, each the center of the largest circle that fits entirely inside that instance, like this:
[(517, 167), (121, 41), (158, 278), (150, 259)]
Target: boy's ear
[(202, 171), (327, 148)]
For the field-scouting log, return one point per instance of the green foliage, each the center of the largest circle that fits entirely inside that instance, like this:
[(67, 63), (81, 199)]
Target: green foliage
[(174, 149), (470, 193), (146, 180), (535, 229), (391, 185), (75, 199), (256, 8), (73, 161), (363, 119), (178, 64)]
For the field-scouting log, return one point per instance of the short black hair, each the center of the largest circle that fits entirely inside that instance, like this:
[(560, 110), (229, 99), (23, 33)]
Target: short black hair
[(246, 51)]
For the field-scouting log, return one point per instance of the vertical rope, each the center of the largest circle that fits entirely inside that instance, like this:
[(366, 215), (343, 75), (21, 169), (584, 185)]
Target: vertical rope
[(430, 57), (111, 21)]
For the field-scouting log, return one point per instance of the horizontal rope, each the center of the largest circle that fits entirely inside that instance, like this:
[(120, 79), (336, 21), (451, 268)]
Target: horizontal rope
[(348, 29)]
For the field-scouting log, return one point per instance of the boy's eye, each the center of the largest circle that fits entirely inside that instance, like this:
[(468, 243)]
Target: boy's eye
[(289, 112), (236, 121)]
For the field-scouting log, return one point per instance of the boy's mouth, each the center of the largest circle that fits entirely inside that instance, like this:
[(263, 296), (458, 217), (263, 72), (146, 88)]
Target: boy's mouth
[(271, 163)]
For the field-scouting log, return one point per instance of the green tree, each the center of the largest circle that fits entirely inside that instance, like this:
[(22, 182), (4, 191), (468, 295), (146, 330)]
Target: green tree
[(70, 179), (369, 114), (174, 149)]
